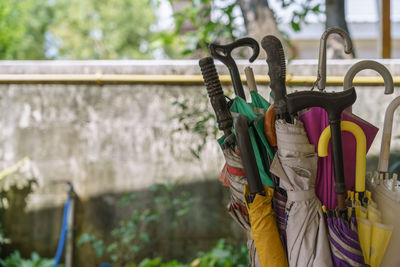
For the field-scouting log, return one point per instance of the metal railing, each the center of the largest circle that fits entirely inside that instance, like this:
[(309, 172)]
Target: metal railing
[(99, 78)]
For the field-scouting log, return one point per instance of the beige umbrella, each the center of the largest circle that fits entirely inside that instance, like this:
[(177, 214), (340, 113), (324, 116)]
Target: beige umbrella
[(296, 166)]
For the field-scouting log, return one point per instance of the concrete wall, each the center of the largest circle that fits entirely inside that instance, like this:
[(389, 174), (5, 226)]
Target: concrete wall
[(114, 138)]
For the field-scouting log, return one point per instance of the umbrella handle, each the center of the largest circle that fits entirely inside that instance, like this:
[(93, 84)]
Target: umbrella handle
[(277, 73), (383, 164), (372, 65), (269, 126), (361, 151), (223, 54), (247, 155), (251, 81), (348, 48), (217, 98)]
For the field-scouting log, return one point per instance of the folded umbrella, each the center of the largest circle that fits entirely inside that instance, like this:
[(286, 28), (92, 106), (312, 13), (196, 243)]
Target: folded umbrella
[(385, 188), (343, 233), (258, 199), (296, 166)]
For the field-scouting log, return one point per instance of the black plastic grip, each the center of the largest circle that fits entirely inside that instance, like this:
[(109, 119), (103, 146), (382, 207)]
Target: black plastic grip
[(277, 73), (223, 54), (216, 95), (334, 104), (247, 155)]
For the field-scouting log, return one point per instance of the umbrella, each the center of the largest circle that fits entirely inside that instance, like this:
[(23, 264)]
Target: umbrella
[(385, 188), (258, 199), (373, 235), (296, 165), (315, 120), (233, 171), (344, 234)]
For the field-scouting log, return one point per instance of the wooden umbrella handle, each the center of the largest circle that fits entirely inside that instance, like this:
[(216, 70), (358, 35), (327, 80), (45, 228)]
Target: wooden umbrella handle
[(269, 126)]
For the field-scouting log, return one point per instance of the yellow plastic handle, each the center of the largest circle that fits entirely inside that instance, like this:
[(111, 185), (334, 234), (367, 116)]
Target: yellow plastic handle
[(361, 152)]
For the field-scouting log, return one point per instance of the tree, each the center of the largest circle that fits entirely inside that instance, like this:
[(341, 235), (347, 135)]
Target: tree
[(335, 17), (73, 29), (13, 14)]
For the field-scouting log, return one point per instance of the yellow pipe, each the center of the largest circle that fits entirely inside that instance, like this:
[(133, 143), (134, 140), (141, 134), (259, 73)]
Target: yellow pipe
[(361, 152), (174, 79)]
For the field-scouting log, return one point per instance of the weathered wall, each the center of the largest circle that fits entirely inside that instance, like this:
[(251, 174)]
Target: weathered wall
[(115, 138)]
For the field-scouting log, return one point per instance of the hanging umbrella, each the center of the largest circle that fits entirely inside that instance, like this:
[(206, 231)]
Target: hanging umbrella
[(343, 234), (258, 199), (296, 166), (315, 121), (233, 172), (385, 189)]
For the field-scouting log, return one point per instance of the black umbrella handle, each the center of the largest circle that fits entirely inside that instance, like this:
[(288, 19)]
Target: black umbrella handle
[(216, 95), (247, 156), (334, 104), (277, 74), (223, 54)]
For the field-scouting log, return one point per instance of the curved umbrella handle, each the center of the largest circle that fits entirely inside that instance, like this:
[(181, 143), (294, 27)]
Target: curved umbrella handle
[(383, 164), (361, 151), (373, 65), (348, 48), (223, 54)]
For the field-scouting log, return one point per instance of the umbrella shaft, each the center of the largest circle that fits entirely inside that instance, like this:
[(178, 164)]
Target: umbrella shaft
[(337, 156)]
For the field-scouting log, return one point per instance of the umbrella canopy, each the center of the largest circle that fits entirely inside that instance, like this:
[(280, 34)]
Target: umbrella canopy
[(296, 166)]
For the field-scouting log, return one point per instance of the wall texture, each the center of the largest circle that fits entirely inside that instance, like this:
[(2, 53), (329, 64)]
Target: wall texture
[(114, 138)]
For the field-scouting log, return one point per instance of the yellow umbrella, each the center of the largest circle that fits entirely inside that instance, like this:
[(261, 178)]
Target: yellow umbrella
[(263, 227), (373, 235)]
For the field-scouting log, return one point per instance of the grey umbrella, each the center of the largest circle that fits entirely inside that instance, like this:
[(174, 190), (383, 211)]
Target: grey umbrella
[(296, 166)]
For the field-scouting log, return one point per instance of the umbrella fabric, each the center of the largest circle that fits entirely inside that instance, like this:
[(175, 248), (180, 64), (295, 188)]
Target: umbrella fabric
[(296, 166), (263, 227), (234, 175), (345, 247), (315, 121)]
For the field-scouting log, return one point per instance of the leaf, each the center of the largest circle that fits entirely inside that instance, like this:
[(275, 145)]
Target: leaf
[(295, 26)]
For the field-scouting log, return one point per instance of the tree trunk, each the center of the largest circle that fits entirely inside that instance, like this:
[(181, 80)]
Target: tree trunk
[(260, 21), (335, 17)]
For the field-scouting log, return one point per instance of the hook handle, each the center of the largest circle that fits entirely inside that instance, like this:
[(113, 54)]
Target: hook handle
[(223, 54), (348, 48), (361, 149), (373, 65), (383, 164)]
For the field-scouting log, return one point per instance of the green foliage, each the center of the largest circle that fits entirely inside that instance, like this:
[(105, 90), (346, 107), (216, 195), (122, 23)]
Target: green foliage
[(196, 26), (131, 235), (15, 260), (224, 255), (302, 9), (13, 17), (74, 29)]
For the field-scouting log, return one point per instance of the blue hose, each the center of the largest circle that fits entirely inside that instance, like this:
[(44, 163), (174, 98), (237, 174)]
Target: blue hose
[(63, 234)]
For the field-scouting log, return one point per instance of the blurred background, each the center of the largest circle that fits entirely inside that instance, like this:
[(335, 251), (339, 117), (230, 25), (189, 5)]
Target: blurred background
[(102, 102)]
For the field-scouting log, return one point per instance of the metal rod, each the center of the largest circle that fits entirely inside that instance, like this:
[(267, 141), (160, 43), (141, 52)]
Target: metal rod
[(175, 79)]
